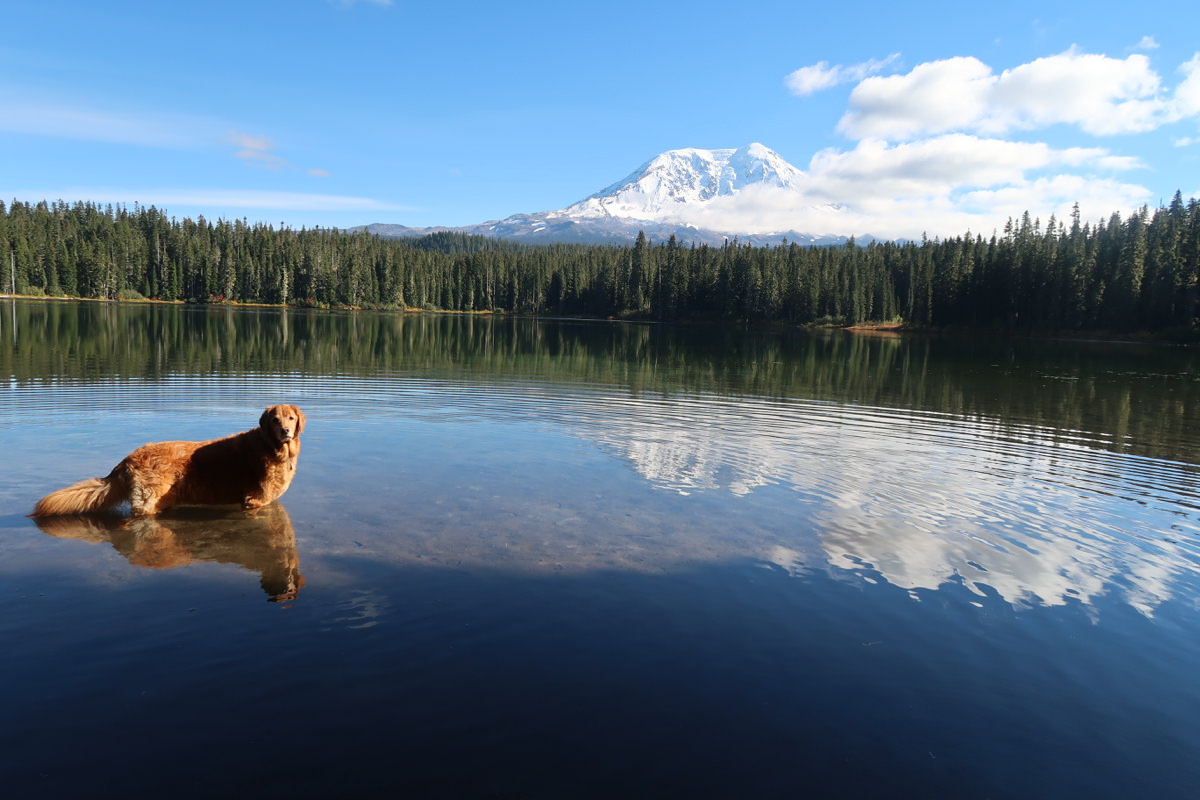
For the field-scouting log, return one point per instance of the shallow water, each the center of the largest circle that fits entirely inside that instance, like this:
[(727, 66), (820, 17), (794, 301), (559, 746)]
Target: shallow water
[(553, 558)]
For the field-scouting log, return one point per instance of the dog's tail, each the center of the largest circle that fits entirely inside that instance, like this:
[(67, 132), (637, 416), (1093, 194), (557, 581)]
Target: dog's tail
[(94, 494)]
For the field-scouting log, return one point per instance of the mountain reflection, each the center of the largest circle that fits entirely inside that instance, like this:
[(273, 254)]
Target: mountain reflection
[(262, 542), (926, 500), (1042, 472)]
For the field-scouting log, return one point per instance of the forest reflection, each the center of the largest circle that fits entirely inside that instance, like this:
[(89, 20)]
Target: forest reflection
[(1131, 398)]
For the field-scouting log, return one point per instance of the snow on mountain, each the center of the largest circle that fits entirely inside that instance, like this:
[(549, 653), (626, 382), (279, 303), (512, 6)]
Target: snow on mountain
[(699, 196), (679, 178)]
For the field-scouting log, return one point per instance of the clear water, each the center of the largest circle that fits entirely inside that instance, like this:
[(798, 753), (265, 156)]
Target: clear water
[(585, 559)]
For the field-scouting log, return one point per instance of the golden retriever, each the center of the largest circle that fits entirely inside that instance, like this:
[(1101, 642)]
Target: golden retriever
[(251, 468)]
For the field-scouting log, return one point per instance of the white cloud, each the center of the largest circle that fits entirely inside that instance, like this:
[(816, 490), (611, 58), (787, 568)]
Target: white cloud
[(250, 142), (1099, 94), (290, 201), (255, 151), (808, 80), (948, 163), (1186, 100), (62, 118), (934, 97), (258, 151), (934, 148), (53, 118), (820, 76), (214, 201), (942, 186), (943, 163)]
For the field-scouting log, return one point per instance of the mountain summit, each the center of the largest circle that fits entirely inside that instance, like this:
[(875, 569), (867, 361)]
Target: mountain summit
[(698, 196), (677, 178)]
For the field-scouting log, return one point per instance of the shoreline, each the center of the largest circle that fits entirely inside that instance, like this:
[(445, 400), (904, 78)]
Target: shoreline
[(881, 329)]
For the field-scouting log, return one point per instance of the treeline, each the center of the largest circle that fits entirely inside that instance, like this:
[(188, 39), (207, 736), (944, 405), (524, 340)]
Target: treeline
[(1139, 273)]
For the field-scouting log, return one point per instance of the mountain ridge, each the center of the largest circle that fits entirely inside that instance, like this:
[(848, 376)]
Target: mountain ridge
[(677, 193)]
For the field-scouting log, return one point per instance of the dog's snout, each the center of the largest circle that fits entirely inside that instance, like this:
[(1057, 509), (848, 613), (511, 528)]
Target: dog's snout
[(287, 427), (283, 422)]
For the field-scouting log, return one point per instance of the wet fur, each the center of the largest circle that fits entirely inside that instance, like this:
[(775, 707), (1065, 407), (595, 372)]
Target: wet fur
[(250, 469)]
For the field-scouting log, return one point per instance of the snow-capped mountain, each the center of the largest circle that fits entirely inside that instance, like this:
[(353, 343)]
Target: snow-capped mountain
[(663, 186), (699, 196)]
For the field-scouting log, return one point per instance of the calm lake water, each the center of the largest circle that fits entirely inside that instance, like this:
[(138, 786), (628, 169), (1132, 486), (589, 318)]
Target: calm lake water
[(587, 559)]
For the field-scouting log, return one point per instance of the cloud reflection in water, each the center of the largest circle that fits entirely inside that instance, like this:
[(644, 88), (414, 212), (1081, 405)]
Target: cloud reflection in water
[(927, 499)]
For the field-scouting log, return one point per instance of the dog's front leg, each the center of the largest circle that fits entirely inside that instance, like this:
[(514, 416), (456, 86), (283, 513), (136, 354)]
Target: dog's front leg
[(252, 502)]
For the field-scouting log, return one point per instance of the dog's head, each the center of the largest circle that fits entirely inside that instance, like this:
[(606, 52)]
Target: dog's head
[(282, 423)]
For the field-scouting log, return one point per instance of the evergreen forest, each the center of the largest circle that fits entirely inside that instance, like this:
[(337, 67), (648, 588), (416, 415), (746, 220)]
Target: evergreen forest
[(1140, 273)]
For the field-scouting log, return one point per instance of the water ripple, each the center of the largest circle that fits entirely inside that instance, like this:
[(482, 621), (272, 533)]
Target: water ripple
[(921, 499)]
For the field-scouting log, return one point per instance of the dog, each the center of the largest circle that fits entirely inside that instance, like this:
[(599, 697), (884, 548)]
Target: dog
[(251, 468)]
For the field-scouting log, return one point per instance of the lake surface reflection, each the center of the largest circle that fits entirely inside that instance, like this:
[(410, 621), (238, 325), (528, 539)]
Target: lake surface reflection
[(560, 558)]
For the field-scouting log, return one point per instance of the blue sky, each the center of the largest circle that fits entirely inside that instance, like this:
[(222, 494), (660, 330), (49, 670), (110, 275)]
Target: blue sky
[(937, 118)]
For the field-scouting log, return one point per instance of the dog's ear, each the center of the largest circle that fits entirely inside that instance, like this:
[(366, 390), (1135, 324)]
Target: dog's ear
[(299, 420), (265, 419)]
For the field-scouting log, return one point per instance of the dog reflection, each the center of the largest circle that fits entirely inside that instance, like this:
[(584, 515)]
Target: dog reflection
[(263, 541)]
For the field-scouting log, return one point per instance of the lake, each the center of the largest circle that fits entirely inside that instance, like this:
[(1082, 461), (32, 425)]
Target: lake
[(560, 559)]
